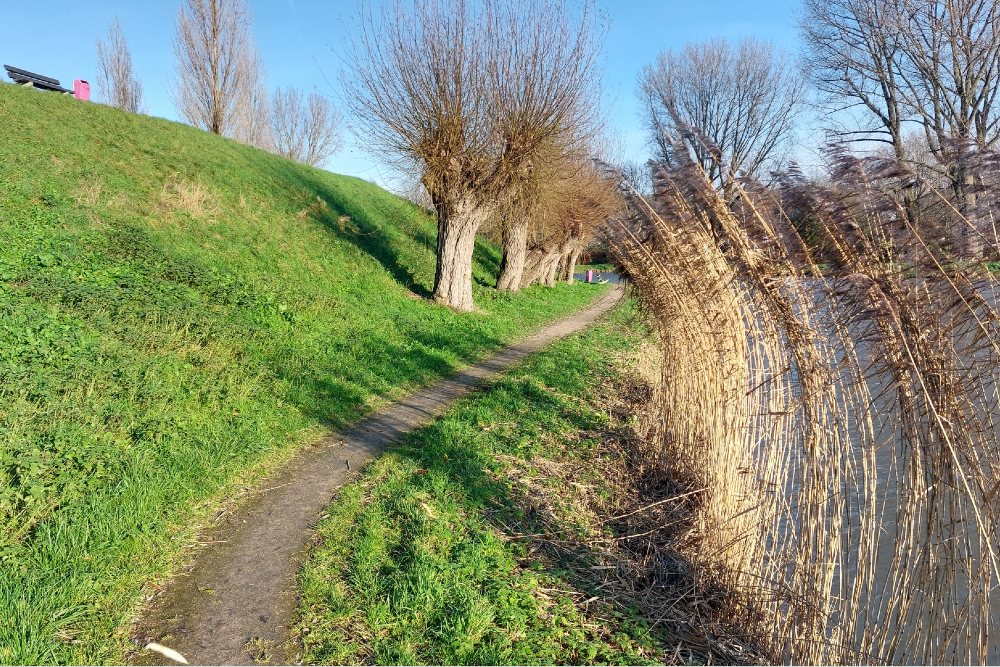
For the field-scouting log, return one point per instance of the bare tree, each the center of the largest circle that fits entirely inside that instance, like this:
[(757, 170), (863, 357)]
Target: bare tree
[(637, 176), (468, 93), (116, 80), (412, 189), (252, 114), (731, 107), (572, 204), (216, 64), (936, 64), (851, 54), (306, 129), (951, 76), (523, 208)]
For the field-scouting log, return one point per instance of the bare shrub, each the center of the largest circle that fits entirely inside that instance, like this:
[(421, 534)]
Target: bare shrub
[(116, 80), (841, 418), (306, 129)]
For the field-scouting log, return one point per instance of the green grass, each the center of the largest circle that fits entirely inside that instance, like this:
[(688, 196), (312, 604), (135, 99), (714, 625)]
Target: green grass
[(179, 313), (413, 566), (596, 267)]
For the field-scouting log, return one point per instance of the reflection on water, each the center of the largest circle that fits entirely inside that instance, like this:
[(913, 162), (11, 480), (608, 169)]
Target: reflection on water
[(600, 276), (910, 502)]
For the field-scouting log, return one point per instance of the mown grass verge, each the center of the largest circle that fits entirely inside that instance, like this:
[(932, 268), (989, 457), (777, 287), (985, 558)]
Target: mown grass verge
[(430, 557), (179, 313)]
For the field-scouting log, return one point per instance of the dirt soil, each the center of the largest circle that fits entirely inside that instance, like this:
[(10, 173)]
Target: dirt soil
[(237, 602)]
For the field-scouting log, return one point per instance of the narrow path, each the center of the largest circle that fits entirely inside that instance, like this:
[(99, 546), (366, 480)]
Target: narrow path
[(239, 598)]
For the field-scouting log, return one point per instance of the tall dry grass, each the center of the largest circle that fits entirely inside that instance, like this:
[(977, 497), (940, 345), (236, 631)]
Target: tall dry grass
[(838, 401)]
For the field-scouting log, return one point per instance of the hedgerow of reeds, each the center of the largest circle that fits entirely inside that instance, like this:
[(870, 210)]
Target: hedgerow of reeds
[(837, 402)]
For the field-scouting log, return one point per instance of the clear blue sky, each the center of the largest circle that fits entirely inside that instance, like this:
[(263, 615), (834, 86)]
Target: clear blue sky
[(300, 41)]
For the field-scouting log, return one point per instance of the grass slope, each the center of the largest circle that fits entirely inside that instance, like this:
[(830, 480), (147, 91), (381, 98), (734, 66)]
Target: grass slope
[(179, 312), (416, 564)]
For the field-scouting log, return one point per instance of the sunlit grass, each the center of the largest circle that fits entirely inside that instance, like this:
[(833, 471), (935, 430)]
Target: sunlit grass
[(178, 313), (416, 563)]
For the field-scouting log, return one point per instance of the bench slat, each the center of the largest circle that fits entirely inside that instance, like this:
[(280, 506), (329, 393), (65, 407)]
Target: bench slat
[(42, 85), (21, 76), (11, 71)]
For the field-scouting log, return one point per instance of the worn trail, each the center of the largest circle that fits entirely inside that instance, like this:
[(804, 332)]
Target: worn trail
[(237, 602)]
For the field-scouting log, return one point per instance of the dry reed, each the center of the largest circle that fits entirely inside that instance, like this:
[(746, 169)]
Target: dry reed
[(838, 402)]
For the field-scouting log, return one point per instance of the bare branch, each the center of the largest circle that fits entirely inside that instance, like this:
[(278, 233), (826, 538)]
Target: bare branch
[(306, 129), (731, 107), (116, 80)]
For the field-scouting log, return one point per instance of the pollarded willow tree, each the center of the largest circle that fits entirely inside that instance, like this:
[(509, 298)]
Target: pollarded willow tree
[(572, 207), (468, 94), (528, 204)]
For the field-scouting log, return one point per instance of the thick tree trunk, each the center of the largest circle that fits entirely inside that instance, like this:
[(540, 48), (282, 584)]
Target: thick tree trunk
[(568, 253), (536, 267), (574, 256), (552, 271), (532, 268), (515, 255), (456, 242)]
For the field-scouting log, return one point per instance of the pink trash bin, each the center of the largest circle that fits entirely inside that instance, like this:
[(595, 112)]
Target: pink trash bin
[(81, 90)]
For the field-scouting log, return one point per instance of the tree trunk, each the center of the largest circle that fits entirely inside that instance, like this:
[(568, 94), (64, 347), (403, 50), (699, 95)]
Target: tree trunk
[(574, 256), (515, 255), (456, 242), (563, 267), (969, 242), (540, 263), (552, 269), (534, 267), (568, 252)]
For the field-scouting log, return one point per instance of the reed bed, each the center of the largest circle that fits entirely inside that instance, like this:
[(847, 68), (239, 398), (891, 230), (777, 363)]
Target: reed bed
[(829, 376)]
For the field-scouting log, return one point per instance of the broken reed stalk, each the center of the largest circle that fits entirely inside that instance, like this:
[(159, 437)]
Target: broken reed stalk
[(843, 425)]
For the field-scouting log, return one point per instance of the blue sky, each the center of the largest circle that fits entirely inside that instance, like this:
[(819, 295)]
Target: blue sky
[(301, 41)]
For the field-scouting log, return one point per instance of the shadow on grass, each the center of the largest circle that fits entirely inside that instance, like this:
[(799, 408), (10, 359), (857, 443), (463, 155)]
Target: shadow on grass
[(336, 395), (402, 238), (380, 231), (475, 477)]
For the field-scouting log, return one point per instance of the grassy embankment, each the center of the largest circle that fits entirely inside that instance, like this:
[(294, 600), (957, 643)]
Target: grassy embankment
[(178, 313), (431, 557)]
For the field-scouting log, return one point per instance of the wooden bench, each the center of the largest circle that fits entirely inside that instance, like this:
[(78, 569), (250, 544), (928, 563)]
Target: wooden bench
[(26, 78)]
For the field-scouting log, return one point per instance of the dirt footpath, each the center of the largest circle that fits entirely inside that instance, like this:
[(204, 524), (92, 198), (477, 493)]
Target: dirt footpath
[(238, 602)]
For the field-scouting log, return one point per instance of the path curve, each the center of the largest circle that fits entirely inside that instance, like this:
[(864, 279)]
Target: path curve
[(242, 585)]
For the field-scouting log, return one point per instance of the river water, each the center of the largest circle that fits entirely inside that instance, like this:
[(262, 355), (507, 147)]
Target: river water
[(925, 538), (609, 276)]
